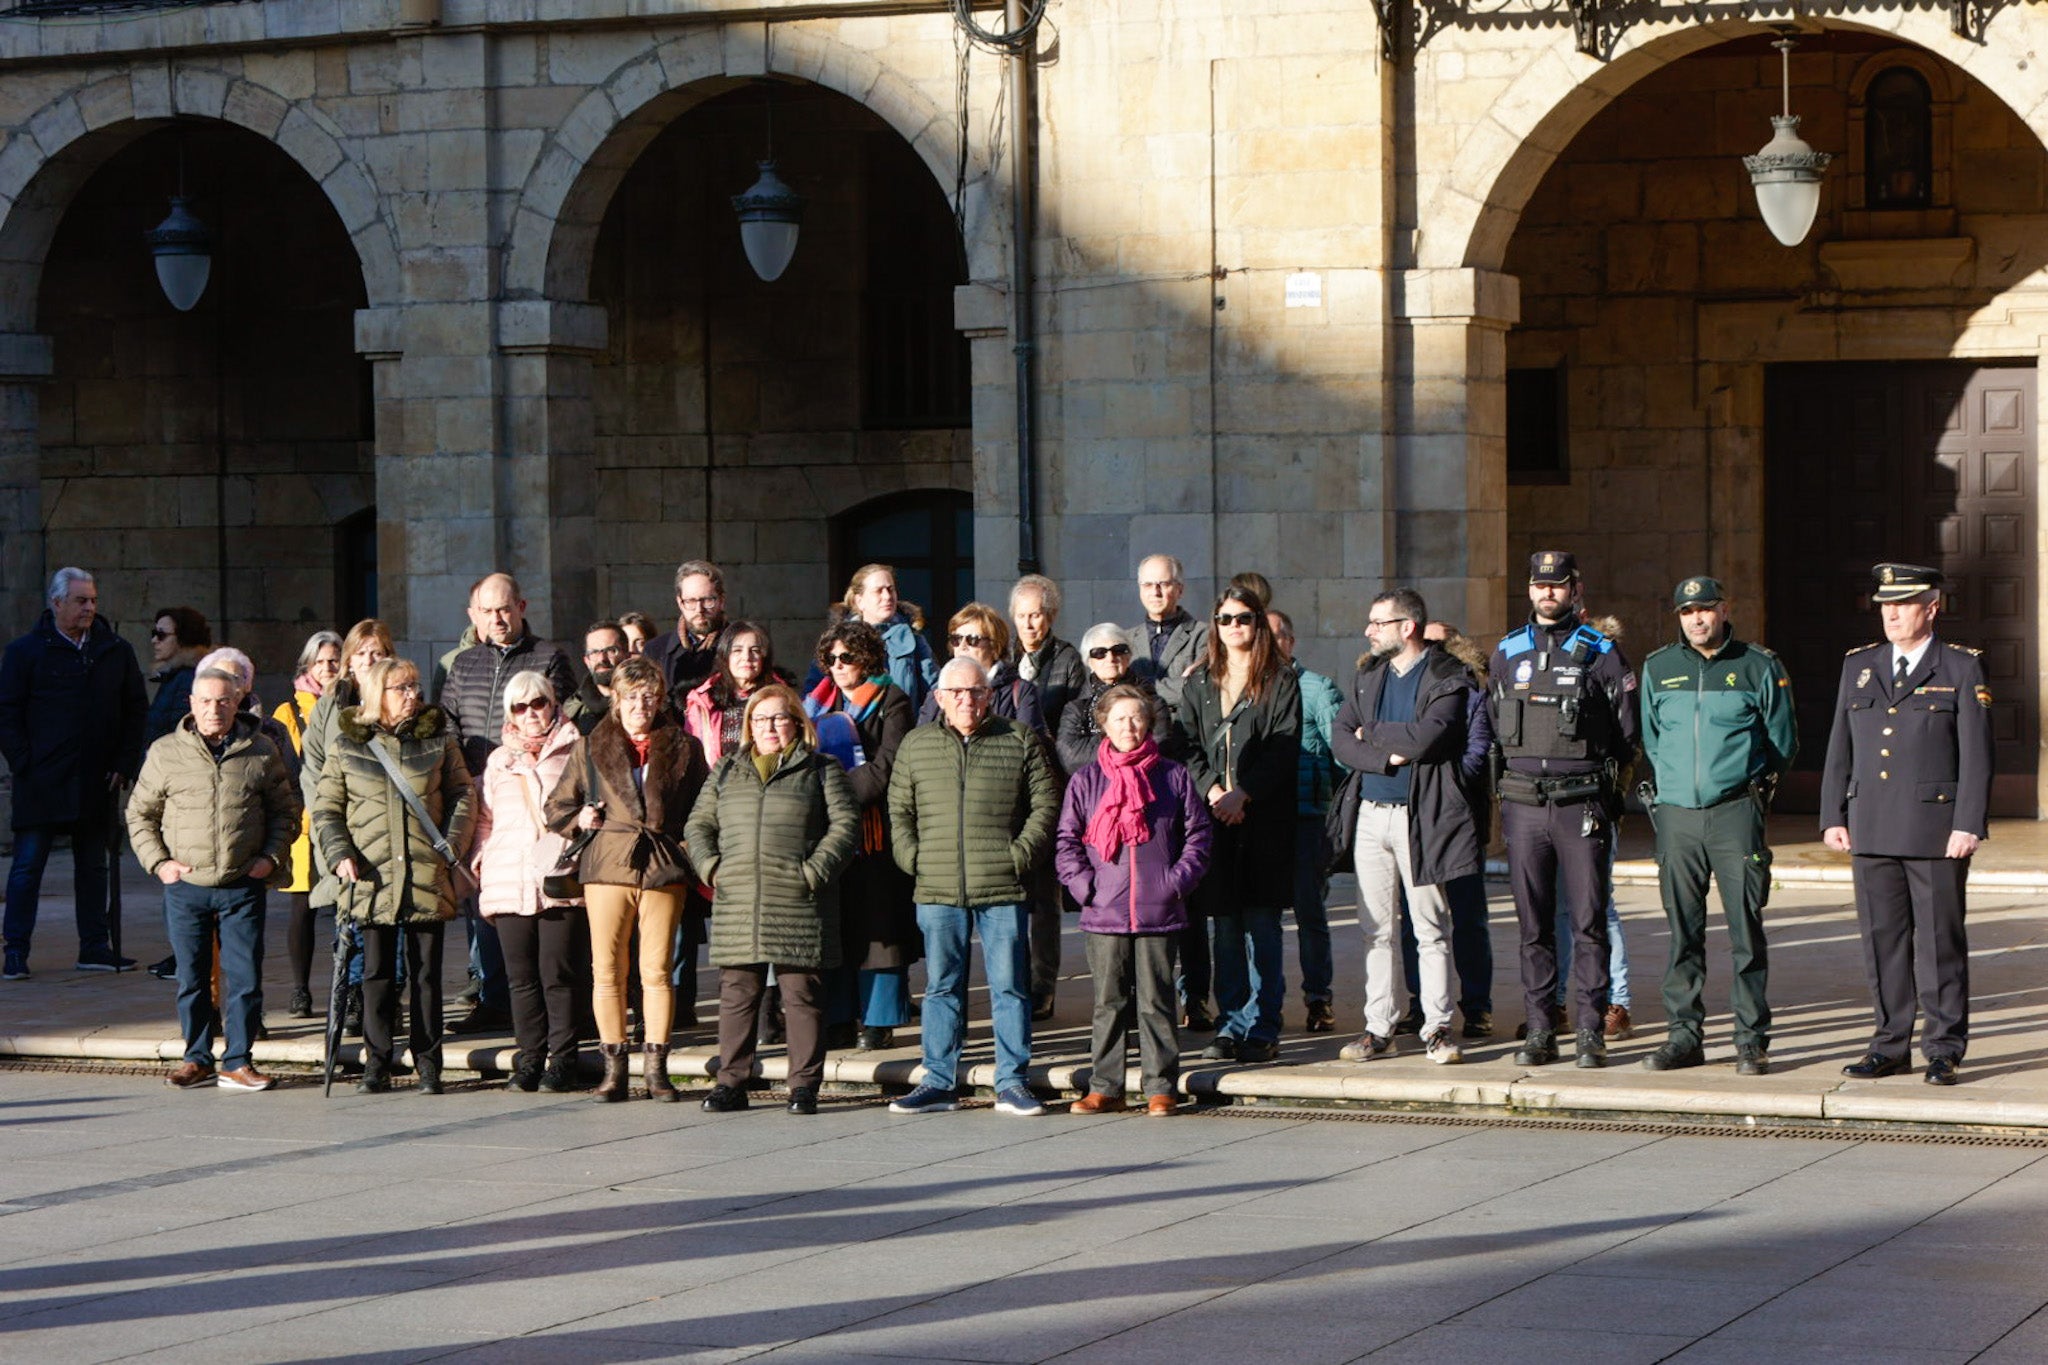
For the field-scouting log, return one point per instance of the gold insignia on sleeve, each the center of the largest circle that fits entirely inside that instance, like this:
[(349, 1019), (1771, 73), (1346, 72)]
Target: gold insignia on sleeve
[(1983, 696)]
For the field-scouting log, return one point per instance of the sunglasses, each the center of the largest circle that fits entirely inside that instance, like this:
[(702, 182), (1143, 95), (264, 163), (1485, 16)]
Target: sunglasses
[(162, 634), (1236, 618), (520, 708), (962, 640), (1104, 651), (842, 657)]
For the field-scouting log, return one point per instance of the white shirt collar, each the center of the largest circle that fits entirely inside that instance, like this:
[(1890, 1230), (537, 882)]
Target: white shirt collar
[(1912, 657)]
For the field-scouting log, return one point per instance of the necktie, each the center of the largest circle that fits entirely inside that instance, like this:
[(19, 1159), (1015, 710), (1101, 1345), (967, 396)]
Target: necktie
[(1899, 676)]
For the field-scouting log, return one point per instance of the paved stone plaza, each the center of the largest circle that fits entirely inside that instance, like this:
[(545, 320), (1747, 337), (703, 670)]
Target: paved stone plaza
[(493, 1227)]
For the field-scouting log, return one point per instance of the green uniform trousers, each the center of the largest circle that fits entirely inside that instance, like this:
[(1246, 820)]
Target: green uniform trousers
[(1726, 841)]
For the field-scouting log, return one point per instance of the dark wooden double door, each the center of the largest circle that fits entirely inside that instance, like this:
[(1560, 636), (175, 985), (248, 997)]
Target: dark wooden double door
[(1926, 463)]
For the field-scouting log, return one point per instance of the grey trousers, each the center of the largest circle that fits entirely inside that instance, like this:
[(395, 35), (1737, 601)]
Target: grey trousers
[(1134, 984)]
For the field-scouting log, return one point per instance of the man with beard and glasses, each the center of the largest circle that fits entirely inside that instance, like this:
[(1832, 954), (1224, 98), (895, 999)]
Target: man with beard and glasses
[(604, 646)]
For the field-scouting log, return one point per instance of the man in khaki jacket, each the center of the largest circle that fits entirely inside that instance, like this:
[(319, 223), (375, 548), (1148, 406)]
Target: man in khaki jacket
[(213, 817)]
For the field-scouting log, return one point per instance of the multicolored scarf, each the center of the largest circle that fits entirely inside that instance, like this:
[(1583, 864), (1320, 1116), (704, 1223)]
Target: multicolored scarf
[(1119, 818), (859, 703)]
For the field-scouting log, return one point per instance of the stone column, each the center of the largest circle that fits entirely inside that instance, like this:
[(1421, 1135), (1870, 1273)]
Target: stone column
[(1447, 482), (548, 471), (25, 361)]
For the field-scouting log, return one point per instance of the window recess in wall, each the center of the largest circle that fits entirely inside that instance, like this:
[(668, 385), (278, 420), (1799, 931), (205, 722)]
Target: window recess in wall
[(1536, 425)]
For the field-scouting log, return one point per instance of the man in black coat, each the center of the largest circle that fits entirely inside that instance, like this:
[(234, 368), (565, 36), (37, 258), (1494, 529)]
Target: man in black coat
[(72, 707), (1402, 731), (689, 654), (1907, 793)]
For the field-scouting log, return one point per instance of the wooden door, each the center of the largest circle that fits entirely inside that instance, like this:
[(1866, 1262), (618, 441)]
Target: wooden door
[(1926, 463)]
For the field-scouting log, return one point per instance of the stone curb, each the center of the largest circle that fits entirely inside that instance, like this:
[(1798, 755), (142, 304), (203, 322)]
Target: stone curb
[(1643, 872), (1489, 1086)]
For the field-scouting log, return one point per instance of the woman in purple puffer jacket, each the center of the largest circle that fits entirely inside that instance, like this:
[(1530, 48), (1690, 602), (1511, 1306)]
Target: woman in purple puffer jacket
[(1133, 843)]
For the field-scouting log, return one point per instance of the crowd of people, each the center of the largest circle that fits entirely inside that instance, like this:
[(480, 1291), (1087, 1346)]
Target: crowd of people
[(1182, 786)]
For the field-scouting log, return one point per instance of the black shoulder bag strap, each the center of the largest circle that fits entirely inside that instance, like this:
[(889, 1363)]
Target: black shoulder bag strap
[(464, 882)]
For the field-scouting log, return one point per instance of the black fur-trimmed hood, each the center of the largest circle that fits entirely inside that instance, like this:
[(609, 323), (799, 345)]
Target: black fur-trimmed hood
[(429, 723)]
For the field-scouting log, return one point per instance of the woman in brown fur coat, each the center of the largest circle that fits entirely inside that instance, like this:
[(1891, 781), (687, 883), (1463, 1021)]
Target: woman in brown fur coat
[(648, 770)]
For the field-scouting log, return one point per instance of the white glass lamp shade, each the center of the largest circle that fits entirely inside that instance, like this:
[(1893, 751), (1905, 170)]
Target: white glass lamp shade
[(183, 249), (770, 214), (1786, 174)]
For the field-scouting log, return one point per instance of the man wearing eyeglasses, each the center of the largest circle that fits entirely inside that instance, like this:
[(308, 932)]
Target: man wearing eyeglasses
[(689, 654), (972, 804), (1170, 640), (604, 646), (72, 710), (1565, 722)]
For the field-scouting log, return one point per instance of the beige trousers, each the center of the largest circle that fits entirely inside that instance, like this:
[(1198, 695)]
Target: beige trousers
[(614, 912)]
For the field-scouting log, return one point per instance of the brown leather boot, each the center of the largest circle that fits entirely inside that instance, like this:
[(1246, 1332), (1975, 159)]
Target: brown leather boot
[(654, 1070), (613, 1087)]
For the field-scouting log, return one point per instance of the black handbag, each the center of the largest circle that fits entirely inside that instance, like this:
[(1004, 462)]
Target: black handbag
[(564, 881), (1340, 826)]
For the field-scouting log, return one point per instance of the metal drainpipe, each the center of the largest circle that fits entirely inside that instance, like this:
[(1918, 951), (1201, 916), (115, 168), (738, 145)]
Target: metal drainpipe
[(1023, 335)]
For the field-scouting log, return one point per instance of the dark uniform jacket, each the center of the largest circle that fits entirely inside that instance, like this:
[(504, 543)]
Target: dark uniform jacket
[(1534, 673), (474, 696), (1712, 724), (1443, 839), (1906, 768), (68, 717)]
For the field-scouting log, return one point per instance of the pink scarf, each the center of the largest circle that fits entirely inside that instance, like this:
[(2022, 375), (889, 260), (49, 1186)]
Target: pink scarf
[(1120, 818)]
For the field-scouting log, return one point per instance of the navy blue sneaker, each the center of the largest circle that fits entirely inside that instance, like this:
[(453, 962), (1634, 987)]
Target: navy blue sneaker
[(1017, 1101), (17, 966), (926, 1099), (103, 960)]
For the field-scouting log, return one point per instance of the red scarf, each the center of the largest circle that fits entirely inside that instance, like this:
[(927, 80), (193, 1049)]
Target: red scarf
[(1120, 817)]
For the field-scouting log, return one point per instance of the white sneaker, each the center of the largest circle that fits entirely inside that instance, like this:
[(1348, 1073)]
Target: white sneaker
[(1441, 1049)]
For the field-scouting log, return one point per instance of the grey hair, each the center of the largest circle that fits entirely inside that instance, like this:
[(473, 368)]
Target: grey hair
[(525, 687), (1173, 567), (61, 581), (229, 663), (310, 651), (218, 675), (1047, 590), (965, 662), (1103, 633)]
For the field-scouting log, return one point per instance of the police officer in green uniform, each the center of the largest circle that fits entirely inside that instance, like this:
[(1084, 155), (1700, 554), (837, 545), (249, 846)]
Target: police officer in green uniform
[(1907, 793), (1719, 732)]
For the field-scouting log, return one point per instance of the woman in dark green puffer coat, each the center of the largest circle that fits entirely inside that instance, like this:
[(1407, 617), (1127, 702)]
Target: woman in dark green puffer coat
[(769, 833), (390, 876)]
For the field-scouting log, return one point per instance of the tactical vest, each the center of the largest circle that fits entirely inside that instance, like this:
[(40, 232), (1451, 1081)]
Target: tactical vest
[(1542, 699)]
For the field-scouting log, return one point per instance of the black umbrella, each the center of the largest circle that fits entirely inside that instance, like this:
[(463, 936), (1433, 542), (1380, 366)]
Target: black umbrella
[(337, 993)]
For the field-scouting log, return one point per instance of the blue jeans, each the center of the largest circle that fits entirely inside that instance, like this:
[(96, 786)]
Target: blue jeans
[(25, 882), (1471, 945), (1250, 980), (194, 915), (1617, 948), (1311, 918), (486, 960), (1006, 956)]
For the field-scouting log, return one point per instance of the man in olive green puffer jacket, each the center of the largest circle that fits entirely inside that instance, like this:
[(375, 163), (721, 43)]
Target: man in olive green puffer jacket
[(213, 817), (972, 803)]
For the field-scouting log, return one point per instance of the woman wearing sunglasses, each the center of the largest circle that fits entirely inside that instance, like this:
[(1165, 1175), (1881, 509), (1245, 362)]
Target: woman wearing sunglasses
[(1106, 650), (861, 717), (1241, 714), (515, 850), (978, 631)]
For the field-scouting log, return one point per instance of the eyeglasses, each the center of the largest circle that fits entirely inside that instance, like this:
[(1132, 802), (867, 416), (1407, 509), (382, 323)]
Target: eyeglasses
[(842, 657), (777, 718), (1160, 586), (604, 651), (1104, 651), (963, 640), (1389, 621), (965, 693), (404, 689), (687, 602), (162, 634), (1236, 618), (520, 708)]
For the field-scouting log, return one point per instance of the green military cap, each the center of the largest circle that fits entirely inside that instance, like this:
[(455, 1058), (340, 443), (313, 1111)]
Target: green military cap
[(1694, 591)]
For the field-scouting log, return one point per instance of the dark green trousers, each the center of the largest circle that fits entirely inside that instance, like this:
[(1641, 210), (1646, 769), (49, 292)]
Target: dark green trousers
[(1726, 842)]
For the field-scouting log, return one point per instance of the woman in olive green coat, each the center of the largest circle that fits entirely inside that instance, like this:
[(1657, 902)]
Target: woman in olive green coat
[(391, 877), (770, 832)]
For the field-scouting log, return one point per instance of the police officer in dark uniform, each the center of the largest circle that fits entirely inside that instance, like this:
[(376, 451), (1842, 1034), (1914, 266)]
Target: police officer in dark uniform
[(1907, 792), (1563, 702)]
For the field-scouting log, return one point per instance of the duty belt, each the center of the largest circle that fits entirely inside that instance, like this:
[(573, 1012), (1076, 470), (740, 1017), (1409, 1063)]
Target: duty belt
[(1522, 789)]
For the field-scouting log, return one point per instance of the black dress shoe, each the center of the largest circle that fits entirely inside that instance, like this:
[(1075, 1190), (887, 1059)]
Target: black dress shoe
[(877, 1039), (1254, 1050), (725, 1099), (1875, 1065), (803, 1100), (482, 1019), (1224, 1049), (1941, 1071)]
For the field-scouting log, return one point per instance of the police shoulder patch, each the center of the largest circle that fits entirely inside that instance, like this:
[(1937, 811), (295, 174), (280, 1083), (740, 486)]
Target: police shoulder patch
[(1860, 648), (1963, 649), (1518, 642)]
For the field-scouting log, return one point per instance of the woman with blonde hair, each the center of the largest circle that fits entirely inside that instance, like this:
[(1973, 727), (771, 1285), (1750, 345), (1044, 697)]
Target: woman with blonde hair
[(397, 872), (515, 850), (773, 827), (632, 781), (871, 598)]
